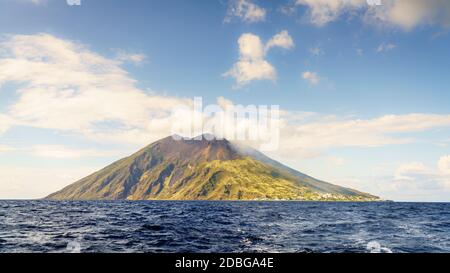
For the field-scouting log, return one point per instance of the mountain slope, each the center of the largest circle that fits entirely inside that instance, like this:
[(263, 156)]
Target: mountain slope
[(202, 170)]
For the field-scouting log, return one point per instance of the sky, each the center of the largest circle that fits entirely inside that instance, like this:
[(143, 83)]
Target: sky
[(363, 89)]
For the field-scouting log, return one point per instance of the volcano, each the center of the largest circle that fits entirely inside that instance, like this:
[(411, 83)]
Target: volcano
[(201, 169)]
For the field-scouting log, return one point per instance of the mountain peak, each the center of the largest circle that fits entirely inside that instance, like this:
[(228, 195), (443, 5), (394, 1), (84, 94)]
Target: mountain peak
[(204, 147)]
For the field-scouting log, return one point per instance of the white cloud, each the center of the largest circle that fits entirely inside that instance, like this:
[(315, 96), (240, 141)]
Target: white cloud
[(311, 77), (410, 170), (66, 87), (385, 47), (444, 165), (63, 152), (317, 133), (444, 171), (224, 103), (321, 12), (405, 14), (416, 175), (250, 47), (408, 14), (246, 10), (282, 39), (247, 71), (252, 65)]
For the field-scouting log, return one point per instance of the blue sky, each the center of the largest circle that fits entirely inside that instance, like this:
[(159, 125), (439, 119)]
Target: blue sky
[(372, 81)]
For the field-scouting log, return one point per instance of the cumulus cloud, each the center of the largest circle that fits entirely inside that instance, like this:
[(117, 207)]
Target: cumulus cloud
[(408, 14), (405, 14), (321, 12), (282, 39), (410, 170), (417, 175), (311, 77), (250, 47), (246, 10), (444, 171), (67, 87), (252, 65), (444, 164)]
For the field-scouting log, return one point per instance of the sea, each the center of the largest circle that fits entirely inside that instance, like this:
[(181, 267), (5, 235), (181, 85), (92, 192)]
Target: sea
[(223, 226)]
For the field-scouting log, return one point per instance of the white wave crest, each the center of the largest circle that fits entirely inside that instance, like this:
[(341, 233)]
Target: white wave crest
[(375, 247)]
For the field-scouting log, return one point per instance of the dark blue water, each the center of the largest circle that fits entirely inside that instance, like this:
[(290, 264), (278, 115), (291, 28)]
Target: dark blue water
[(162, 226)]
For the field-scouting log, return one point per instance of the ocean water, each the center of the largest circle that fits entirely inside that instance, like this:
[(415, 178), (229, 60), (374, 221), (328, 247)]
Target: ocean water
[(201, 226)]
